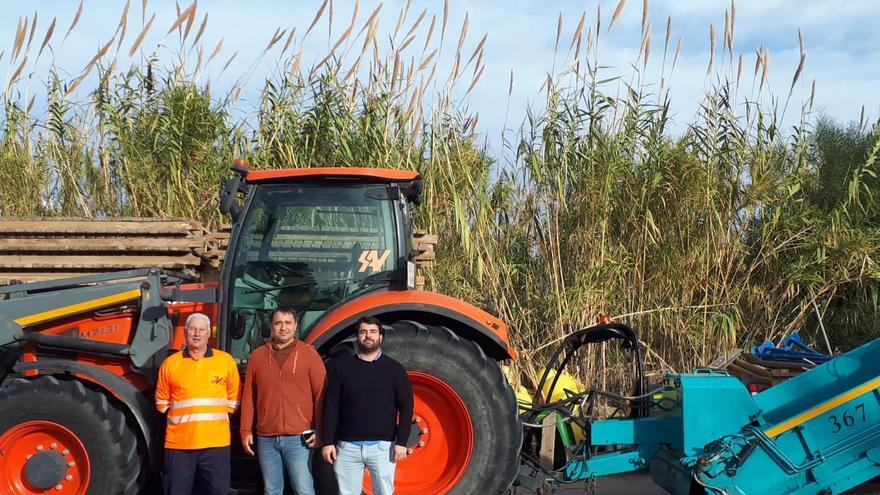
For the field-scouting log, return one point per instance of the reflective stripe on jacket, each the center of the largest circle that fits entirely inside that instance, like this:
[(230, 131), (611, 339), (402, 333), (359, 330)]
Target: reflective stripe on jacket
[(197, 395)]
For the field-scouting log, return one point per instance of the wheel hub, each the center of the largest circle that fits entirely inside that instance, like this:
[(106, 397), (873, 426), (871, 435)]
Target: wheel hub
[(45, 469), (418, 434), (441, 439), (41, 456)]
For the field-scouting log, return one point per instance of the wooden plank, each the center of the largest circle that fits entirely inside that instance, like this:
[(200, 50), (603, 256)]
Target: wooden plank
[(723, 361), (548, 441), (783, 373), (20, 262), (426, 256), (322, 243), (24, 277), (753, 368), (426, 238), (6, 277), (96, 227), (744, 373), (308, 229), (100, 244), (321, 236), (306, 251), (778, 364)]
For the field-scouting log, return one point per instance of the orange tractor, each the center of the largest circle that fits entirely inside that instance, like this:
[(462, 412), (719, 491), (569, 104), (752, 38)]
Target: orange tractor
[(79, 357)]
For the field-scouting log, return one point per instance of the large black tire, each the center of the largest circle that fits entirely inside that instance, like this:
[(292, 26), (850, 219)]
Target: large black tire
[(479, 382), (111, 445)]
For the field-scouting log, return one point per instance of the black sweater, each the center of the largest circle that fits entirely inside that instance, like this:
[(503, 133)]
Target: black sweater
[(363, 399)]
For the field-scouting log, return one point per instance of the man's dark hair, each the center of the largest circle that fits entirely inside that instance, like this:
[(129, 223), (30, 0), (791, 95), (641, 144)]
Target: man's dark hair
[(285, 310), (370, 320)]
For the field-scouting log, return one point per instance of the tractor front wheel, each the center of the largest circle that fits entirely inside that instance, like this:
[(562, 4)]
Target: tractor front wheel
[(59, 436)]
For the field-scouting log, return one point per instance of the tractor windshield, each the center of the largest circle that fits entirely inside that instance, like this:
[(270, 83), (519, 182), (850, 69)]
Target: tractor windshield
[(309, 247)]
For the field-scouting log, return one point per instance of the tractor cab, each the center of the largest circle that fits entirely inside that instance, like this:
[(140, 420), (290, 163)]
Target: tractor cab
[(311, 240), (334, 245)]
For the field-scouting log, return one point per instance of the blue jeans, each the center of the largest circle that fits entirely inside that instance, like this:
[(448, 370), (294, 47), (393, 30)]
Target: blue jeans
[(285, 453), (351, 459)]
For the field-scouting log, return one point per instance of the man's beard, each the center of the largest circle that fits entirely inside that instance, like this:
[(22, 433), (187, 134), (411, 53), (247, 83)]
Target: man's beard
[(364, 349)]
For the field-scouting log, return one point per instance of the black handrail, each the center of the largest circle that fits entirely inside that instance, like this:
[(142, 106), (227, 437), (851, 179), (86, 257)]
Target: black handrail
[(65, 343), (593, 335)]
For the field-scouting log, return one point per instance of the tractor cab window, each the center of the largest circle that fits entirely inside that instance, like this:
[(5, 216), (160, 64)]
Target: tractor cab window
[(309, 247)]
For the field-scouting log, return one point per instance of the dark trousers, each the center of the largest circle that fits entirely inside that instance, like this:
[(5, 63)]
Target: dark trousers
[(325, 478), (209, 466)]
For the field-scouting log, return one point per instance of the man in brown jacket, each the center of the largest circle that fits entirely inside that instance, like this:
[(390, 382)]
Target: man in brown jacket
[(283, 386)]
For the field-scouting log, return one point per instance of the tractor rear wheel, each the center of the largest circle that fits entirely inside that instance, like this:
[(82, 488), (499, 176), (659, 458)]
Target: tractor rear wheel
[(466, 432), (59, 436)]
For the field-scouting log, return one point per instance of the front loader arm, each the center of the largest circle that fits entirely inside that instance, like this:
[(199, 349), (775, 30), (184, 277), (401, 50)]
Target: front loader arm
[(10, 331), (32, 305)]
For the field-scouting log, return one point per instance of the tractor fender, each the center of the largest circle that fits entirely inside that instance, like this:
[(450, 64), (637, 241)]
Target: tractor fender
[(138, 404), (466, 320)]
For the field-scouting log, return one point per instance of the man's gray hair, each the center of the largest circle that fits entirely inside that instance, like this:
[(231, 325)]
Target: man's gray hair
[(197, 316)]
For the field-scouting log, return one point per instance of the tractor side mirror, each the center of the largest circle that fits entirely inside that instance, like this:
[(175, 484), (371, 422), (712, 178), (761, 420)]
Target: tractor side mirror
[(229, 191), (413, 191), (418, 192)]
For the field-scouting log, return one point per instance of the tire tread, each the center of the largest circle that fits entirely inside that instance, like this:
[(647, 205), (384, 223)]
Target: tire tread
[(471, 356), (125, 465)]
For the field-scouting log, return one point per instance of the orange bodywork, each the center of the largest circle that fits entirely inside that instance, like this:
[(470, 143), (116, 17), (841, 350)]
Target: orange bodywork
[(321, 172), (408, 299), (112, 325), (179, 311), (116, 326)]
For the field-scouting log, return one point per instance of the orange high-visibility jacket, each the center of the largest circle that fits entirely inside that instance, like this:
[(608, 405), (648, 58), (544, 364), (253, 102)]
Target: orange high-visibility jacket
[(198, 395)]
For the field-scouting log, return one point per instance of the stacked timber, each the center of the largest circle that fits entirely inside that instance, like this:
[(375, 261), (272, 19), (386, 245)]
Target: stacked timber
[(424, 243), (36, 249), (759, 373), (216, 243)]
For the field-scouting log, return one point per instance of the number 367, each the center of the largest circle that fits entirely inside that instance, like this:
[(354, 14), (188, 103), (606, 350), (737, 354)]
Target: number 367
[(848, 418)]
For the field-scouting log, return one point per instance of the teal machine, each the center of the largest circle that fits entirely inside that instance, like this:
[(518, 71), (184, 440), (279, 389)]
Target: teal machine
[(705, 433)]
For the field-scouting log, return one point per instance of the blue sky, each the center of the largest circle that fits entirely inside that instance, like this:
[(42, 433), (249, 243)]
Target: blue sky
[(841, 38)]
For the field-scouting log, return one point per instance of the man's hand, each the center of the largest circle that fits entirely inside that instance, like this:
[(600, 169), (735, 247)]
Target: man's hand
[(399, 453), (311, 440), (329, 453), (246, 443)]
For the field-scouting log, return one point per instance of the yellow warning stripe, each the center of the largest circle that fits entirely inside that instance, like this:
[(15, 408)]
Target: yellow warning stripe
[(823, 408), (78, 308)]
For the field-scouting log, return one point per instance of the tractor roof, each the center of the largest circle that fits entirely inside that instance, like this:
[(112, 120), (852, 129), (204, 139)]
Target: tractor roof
[(366, 174)]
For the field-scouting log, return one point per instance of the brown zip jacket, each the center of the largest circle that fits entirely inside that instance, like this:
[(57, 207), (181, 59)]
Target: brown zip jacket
[(286, 401)]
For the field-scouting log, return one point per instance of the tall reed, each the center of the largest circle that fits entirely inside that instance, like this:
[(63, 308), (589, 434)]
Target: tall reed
[(724, 234)]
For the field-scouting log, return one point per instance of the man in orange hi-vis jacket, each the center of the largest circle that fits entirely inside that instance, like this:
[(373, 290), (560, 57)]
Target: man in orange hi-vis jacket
[(198, 389)]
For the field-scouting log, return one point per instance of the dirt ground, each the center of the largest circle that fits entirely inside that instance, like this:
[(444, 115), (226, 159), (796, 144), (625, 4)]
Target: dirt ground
[(625, 484)]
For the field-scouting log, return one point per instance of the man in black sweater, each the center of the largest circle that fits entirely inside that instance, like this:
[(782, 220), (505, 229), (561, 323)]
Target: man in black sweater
[(368, 408)]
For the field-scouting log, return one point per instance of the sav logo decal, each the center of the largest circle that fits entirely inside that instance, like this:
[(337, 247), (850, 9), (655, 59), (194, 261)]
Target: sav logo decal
[(370, 259), (218, 379)]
